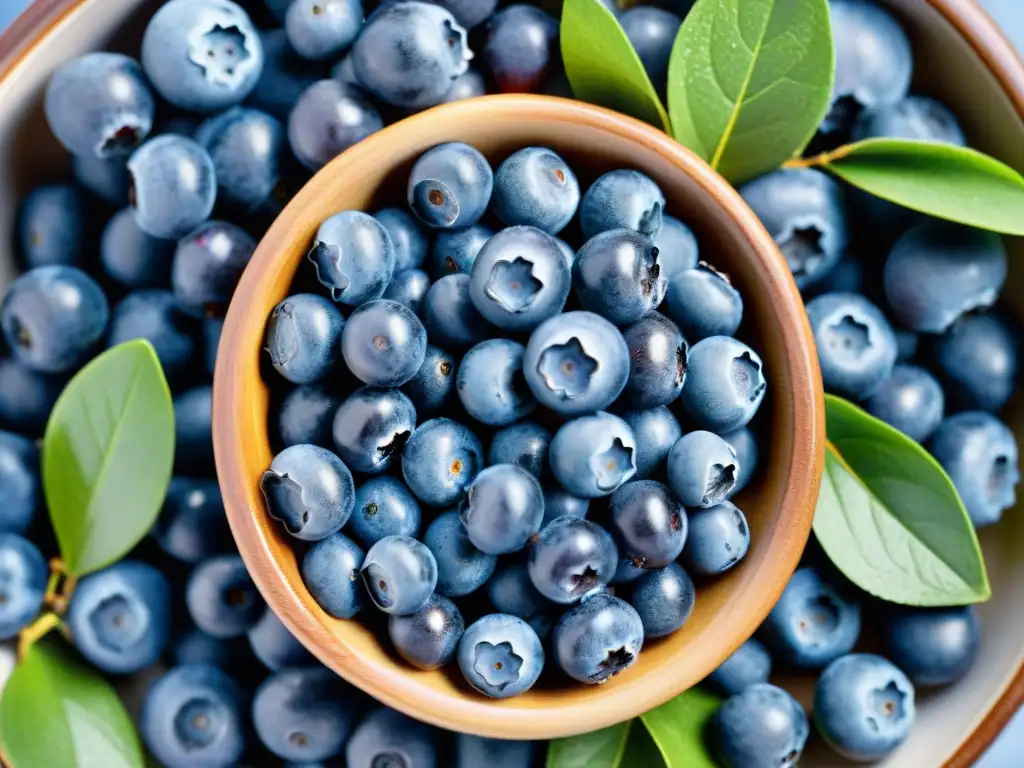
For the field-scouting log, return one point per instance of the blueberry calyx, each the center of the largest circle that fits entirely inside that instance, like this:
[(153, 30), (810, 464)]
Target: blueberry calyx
[(377, 582), (721, 480), (746, 372), (513, 285), (802, 250), (497, 664), (326, 260), (612, 465), (283, 497), (614, 662), (567, 369)]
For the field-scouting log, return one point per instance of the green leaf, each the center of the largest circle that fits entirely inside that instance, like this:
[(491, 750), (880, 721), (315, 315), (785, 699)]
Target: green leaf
[(678, 725), (602, 66), (949, 182), (890, 518), (107, 456), (749, 81), (598, 749), (56, 711)]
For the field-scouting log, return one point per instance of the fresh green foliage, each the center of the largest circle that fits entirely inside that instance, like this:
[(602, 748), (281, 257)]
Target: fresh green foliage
[(678, 725), (605, 748)]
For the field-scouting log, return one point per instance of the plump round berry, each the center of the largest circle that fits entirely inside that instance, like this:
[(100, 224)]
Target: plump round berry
[(330, 571), (133, 258), (399, 574), (918, 118), (816, 621), (221, 598), (53, 318), (863, 706), (558, 503), (570, 558), (455, 250), (303, 337), (704, 303), (306, 415), (309, 490), (385, 735), (99, 105), (20, 487), (461, 567), (702, 469), (202, 55), (502, 509), (616, 275), (491, 385), (521, 49), (481, 752), (371, 427), (598, 638), (500, 656), (652, 31), (450, 186), (384, 507), (428, 638), (978, 360), (323, 29), (194, 715), (328, 118), (440, 460), (724, 385), (744, 445), (449, 314), (593, 455), (275, 646), (384, 343), (622, 199), (749, 665), (980, 454), (511, 591), (354, 257), (536, 187), (192, 524), (433, 383), (657, 361), (717, 540), (648, 523), (677, 247), (26, 398), (664, 600), (759, 727), (524, 444), (174, 186), (23, 576), (937, 271), (52, 227), (193, 432), (409, 287), (208, 264), (655, 430), (576, 362), (407, 235), (911, 400), (933, 646)]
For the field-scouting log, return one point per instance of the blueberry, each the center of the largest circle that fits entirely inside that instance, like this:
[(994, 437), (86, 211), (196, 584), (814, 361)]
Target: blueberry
[(656, 430), (816, 621), (652, 31), (285, 74), (208, 265), (155, 316), (933, 646), (937, 271), (384, 343), (193, 432), (622, 199), (627, 572), (306, 415), (303, 714), (724, 386), (106, 178), (980, 454), (490, 383), (221, 598), (330, 571), (469, 85), (429, 638), (501, 656), (409, 287), (53, 318), (449, 314), (524, 444), (664, 599), (616, 274), (677, 247), (761, 727), (535, 187), (911, 400), (744, 445), (328, 118), (805, 212), (371, 427), (455, 250), (275, 646), (461, 567), (231, 655), (309, 490), (450, 185), (212, 329), (26, 397), (702, 469), (194, 715), (593, 455), (917, 118), (648, 523), (23, 576), (202, 55), (386, 736), (704, 303), (192, 524), (522, 48), (354, 257), (323, 29), (469, 13), (863, 706), (399, 574), (481, 752), (51, 226), (558, 503), (99, 105), (173, 187), (657, 361), (132, 257), (20, 487), (120, 617), (598, 639), (718, 538), (407, 235), (384, 507), (430, 388), (570, 558), (978, 361), (749, 665), (511, 591), (576, 362), (440, 460), (502, 509)]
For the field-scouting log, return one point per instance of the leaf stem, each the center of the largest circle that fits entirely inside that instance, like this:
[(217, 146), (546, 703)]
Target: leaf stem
[(59, 588), (36, 631), (821, 159)]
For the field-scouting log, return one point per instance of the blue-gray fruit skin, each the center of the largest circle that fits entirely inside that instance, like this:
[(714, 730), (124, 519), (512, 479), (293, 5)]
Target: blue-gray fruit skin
[(702, 469), (193, 432), (174, 185), (593, 455), (195, 715), (524, 444), (26, 397), (284, 77), (461, 567), (99, 105), (120, 617), (718, 539), (511, 591), (455, 250), (449, 314), (805, 212), (502, 509), (918, 118), (980, 454), (433, 383), (749, 665), (330, 571), (231, 655), (384, 343), (570, 558), (409, 287), (598, 638), (559, 503), (616, 275), (321, 30), (192, 524), (469, 85), (744, 444), (933, 646), (501, 656), (408, 236), (410, 53), (521, 51), (354, 257), (725, 384), (202, 55), (652, 31), (677, 247), (762, 727), (306, 415), (938, 271), (911, 400), (399, 574), (328, 118), (863, 706), (480, 752), (53, 318), (490, 383), (535, 187), (107, 179), (429, 638), (221, 598), (704, 303), (656, 430), (664, 599), (657, 362), (384, 507), (371, 427), (440, 460), (622, 199), (648, 523), (303, 714), (208, 264), (23, 576), (386, 735), (303, 337), (450, 186), (132, 257), (816, 621), (309, 490), (20, 487), (51, 227), (275, 646), (211, 332), (468, 13), (978, 360)]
